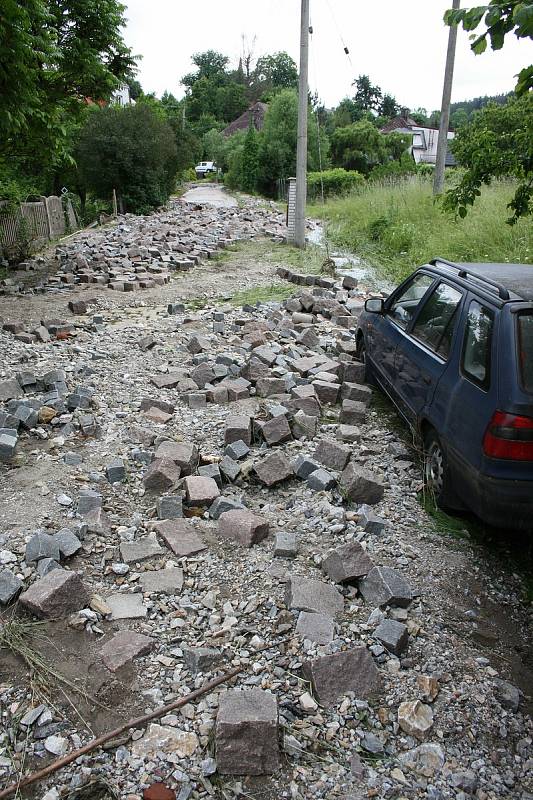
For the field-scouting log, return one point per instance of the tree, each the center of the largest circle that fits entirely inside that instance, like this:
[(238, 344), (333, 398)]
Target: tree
[(135, 88), (498, 142), (277, 142), (213, 90), (250, 160), (362, 147), (273, 73), (500, 17), (367, 97), (210, 64), (129, 149), (388, 107), (345, 113), (420, 116), (458, 118), (54, 56)]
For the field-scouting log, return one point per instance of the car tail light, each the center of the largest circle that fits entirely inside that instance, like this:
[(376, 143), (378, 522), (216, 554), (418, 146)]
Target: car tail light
[(509, 436)]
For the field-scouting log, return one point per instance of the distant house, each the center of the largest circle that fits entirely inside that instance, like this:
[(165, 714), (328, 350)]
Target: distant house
[(424, 144), (121, 96), (256, 112)]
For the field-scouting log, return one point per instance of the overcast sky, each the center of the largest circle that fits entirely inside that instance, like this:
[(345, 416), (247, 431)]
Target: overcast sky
[(400, 45)]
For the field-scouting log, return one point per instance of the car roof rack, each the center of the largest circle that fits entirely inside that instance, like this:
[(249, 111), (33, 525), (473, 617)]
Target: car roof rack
[(503, 293)]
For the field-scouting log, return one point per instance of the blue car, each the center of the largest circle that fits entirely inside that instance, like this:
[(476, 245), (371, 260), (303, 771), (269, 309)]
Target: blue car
[(453, 349)]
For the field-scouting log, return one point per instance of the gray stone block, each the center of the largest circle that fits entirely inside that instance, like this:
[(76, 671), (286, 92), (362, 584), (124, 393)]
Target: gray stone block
[(273, 469), (360, 486), (318, 628), (332, 454), (286, 545), (386, 586), (42, 545), (243, 527), (353, 412), (87, 500), (46, 565), (10, 586), (393, 635), (56, 595), (347, 563), (169, 506), (237, 450), (183, 454), (303, 467), (230, 469), (8, 444), (369, 521), (201, 659), (335, 675), (223, 504), (211, 471), (246, 733), (238, 427), (321, 480), (68, 542), (306, 594), (115, 471)]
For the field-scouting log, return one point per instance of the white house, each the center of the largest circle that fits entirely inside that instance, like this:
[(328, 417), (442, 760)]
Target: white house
[(121, 96), (425, 139)]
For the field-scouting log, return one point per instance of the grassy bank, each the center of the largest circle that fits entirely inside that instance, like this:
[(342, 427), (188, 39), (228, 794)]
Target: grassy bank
[(398, 227)]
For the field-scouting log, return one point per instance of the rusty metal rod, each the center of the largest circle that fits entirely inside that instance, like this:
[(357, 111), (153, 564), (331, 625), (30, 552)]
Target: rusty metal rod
[(132, 723)]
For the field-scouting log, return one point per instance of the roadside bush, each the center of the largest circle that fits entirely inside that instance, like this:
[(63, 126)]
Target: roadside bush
[(129, 149), (426, 170), (335, 181), (394, 169)]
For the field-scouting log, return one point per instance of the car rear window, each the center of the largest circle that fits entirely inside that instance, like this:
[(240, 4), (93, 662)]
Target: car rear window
[(477, 344), (525, 349)]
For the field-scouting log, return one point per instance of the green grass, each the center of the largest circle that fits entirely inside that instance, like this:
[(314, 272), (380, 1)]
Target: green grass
[(399, 226), (263, 294)]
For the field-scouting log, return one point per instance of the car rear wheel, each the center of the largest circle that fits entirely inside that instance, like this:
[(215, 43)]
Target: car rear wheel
[(437, 478)]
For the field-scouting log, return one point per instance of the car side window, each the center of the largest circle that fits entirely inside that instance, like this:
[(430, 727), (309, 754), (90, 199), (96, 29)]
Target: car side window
[(477, 344), (403, 307), (435, 323)]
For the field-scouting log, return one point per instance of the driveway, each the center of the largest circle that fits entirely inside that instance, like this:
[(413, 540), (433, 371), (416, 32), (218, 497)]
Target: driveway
[(210, 194)]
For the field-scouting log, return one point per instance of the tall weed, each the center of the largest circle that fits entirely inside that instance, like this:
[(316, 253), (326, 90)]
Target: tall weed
[(397, 225)]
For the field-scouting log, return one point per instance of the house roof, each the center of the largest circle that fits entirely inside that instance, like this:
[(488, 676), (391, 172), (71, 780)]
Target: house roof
[(256, 112), (399, 122)]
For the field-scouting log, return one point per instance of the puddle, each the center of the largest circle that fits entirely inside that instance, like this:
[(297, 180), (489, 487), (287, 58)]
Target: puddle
[(347, 263)]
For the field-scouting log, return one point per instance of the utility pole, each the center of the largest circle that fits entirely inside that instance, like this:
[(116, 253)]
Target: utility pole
[(301, 150), (442, 144)]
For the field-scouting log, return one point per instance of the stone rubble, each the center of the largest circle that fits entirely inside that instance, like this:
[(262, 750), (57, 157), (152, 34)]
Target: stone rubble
[(204, 489)]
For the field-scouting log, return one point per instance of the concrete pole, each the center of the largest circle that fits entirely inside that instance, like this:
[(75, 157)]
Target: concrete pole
[(442, 144), (301, 150)]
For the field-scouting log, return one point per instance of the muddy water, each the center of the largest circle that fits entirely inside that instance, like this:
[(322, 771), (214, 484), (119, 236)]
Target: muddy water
[(347, 263)]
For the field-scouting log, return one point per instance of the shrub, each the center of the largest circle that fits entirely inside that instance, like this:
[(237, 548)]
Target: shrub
[(131, 150), (335, 182)]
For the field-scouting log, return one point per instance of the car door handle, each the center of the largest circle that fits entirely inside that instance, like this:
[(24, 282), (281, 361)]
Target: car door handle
[(427, 379)]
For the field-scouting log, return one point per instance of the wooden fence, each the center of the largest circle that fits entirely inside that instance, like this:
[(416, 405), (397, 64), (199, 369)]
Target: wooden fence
[(36, 222)]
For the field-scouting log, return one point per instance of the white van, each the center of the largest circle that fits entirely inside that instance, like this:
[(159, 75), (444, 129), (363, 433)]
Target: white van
[(205, 168)]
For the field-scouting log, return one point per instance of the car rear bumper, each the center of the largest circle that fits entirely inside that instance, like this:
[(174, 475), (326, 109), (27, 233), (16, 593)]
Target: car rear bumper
[(500, 502), (505, 503)]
